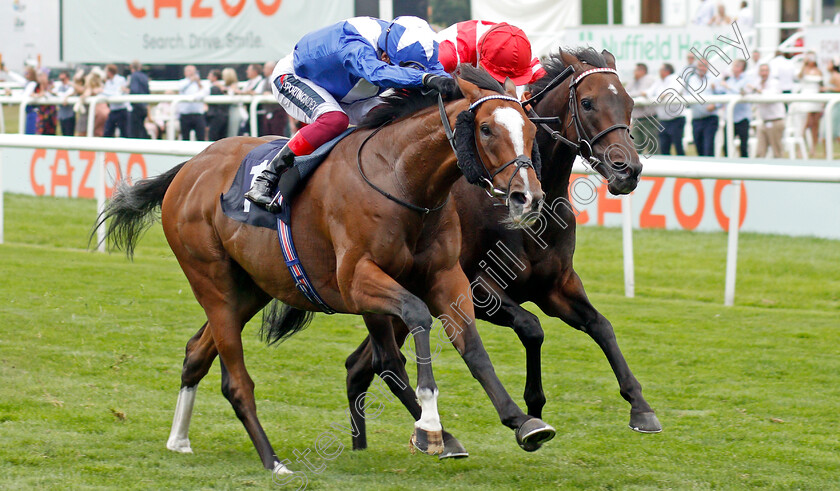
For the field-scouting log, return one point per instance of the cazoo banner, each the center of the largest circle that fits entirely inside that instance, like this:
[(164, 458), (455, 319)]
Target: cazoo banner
[(190, 31)]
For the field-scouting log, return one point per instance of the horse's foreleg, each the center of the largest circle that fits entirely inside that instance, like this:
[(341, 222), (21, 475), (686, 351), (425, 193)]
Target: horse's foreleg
[(200, 353), (450, 300), (527, 326), (569, 302), (373, 291)]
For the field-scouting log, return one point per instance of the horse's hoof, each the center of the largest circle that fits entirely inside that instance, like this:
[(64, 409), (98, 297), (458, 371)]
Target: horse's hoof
[(179, 445), (452, 448), (645, 422), (428, 442), (533, 433)]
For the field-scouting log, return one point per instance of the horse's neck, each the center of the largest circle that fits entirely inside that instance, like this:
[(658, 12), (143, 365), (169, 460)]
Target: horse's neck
[(426, 168), (557, 156)]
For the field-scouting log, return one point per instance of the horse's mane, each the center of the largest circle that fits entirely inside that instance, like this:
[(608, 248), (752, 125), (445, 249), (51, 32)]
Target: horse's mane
[(401, 103), (555, 65)]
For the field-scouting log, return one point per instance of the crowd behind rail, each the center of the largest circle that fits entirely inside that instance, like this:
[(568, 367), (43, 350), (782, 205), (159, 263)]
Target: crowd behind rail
[(761, 129)]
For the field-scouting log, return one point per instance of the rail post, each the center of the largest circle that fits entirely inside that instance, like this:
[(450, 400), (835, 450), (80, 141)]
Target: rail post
[(627, 244), (732, 245), (100, 199)]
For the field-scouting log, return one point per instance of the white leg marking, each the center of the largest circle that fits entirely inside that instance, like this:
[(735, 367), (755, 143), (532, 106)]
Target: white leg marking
[(179, 440), (613, 89), (280, 469), (512, 120), (429, 417), (528, 196)]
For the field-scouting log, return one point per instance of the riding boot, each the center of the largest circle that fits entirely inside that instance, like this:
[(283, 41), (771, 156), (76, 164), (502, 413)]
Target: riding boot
[(260, 192)]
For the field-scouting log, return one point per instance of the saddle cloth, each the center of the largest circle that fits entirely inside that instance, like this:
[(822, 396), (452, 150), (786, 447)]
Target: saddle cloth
[(234, 204)]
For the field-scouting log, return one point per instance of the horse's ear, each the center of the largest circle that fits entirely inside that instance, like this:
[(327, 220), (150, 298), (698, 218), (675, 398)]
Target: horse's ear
[(465, 150), (471, 91), (609, 58), (510, 87)]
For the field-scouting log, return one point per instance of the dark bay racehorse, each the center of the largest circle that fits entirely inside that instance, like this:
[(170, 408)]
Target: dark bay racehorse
[(364, 252), (542, 271)]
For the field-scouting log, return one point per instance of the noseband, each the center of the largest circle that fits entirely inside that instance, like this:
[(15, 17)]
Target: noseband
[(486, 181), (584, 144)]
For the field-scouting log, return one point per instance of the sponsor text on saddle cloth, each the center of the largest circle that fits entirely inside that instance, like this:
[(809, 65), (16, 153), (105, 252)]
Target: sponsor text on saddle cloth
[(235, 206)]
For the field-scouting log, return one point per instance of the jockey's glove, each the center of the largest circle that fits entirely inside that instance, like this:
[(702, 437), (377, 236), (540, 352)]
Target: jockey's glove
[(446, 86)]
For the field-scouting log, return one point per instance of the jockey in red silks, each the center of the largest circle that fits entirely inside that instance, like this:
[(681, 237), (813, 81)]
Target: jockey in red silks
[(334, 77), (500, 48)]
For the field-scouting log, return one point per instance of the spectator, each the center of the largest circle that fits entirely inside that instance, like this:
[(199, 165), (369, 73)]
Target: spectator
[(93, 87), (752, 71), (745, 19), (810, 82), (231, 82), (737, 84), (720, 18), (45, 122), (217, 114), (704, 118), (138, 83), (79, 108), (63, 89), (118, 117), (275, 121), (705, 13), (782, 69), (673, 122), (644, 126), (772, 115), (252, 87), (834, 86), (192, 113), (31, 123)]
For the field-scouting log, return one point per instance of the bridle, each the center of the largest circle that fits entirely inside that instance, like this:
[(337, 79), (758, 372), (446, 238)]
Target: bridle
[(486, 181), (584, 144)]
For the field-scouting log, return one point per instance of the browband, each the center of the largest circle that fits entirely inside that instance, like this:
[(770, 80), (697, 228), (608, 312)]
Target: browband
[(491, 97)]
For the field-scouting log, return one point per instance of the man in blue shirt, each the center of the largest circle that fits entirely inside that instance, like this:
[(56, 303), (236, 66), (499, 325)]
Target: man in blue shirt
[(334, 77), (118, 117), (138, 83), (737, 84), (704, 118)]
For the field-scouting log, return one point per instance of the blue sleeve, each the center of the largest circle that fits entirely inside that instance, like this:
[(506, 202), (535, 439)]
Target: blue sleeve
[(360, 59)]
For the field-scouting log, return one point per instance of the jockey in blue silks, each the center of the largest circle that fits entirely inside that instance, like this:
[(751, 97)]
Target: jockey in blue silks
[(334, 77)]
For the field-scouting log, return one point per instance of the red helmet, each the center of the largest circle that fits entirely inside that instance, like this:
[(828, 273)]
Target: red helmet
[(505, 52)]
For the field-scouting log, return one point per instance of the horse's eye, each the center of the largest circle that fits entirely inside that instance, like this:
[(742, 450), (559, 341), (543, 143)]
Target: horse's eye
[(485, 130), (586, 104)]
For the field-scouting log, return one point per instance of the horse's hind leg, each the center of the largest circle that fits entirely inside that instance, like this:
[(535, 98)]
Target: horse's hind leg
[(200, 353)]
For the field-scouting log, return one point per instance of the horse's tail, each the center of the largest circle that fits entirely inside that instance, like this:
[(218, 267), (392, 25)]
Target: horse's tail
[(130, 211), (281, 322)]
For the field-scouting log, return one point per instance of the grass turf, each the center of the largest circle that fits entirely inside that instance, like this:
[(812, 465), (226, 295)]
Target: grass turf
[(91, 347)]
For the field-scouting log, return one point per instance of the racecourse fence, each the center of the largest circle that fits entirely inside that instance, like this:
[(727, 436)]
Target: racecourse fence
[(657, 166)]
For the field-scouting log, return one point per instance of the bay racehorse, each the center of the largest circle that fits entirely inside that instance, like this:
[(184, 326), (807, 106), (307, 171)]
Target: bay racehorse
[(364, 218), (535, 264)]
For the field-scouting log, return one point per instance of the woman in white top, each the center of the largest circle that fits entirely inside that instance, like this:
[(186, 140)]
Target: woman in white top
[(810, 80)]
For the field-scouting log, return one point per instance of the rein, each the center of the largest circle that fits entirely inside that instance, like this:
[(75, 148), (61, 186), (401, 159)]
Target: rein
[(410, 206)]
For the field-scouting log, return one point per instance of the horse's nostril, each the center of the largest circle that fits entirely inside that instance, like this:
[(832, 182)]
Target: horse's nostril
[(518, 197)]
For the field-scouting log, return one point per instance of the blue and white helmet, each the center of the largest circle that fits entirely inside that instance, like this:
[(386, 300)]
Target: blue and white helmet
[(410, 42)]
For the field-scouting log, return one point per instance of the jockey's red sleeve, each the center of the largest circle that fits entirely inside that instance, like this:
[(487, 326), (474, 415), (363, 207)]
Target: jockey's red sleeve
[(326, 127)]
